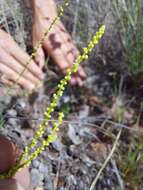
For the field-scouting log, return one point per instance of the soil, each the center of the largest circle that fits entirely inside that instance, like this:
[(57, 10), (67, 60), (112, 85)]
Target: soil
[(85, 138)]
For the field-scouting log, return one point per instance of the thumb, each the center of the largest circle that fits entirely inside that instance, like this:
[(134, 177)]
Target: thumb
[(10, 184), (40, 58)]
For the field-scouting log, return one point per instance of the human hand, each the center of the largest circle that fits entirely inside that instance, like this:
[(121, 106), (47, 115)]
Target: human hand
[(9, 153), (10, 184), (13, 61), (59, 44), (21, 181)]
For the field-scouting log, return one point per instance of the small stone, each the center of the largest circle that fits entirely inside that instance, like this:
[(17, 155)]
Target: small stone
[(85, 132), (72, 180), (12, 113), (57, 145), (108, 182), (35, 163), (84, 112), (12, 121), (73, 135), (49, 182), (20, 104), (87, 160), (5, 99), (43, 168), (22, 107), (73, 151), (66, 99), (36, 178)]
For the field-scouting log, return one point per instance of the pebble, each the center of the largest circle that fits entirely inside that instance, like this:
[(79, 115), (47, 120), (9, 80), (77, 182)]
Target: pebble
[(72, 134), (48, 183), (37, 178), (72, 180), (12, 113), (108, 182), (85, 132), (87, 160), (84, 112), (43, 168), (21, 105), (35, 163), (12, 121), (20, 102), (5, 99), (37, 175), (57, 145)]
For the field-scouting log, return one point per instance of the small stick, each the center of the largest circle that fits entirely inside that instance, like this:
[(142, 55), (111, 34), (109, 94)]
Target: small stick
[(106, 161)]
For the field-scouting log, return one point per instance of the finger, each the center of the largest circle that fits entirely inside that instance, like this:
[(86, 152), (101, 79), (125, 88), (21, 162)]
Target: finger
[(66, 49), (57, 53), (12, 75), (71, 58), (40, 58), (72, 54), (24, 58), (5, 81), (71, 48), (10, 184), (23, 177), (81, 72), (67, 46), (17, 67), (61, 55), (57, 48)]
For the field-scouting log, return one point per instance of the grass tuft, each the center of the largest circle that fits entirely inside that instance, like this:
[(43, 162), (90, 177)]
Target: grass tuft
[(128, 15), (131, 162)]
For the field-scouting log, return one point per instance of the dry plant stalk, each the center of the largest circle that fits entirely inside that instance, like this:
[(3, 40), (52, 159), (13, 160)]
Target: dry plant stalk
[(106, 161), (39, 44), (26, 158)]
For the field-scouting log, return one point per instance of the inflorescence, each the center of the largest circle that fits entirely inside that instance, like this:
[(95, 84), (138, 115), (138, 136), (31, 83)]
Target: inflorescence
[(39, 44), (26, 157)]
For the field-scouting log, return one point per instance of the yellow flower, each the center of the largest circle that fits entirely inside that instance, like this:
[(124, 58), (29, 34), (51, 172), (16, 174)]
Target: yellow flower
[(50, 109)]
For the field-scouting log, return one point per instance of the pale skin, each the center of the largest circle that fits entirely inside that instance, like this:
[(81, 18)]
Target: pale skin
[(9, 153), (58, 45)]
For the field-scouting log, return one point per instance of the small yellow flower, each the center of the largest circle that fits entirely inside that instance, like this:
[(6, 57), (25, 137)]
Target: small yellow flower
[(50, 109)]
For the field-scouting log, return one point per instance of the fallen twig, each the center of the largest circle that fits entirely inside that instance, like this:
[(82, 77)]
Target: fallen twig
[(106, 161)]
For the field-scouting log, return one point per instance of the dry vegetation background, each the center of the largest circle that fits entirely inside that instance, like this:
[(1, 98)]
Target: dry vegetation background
[(110, 100)]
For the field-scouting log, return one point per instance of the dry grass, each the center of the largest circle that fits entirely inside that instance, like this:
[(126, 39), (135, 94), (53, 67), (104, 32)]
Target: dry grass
[(11, 19), (82, 19)]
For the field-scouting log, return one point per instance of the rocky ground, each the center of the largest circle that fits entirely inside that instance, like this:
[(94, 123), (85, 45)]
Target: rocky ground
[(90, 126), (73, 160)]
